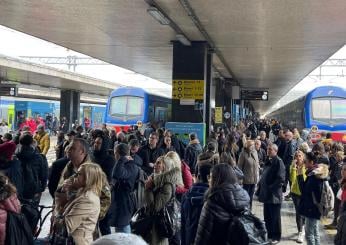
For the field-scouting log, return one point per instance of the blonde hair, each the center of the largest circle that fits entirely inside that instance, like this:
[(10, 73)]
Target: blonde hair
[(340, 155), (172, 160), (95, 178)]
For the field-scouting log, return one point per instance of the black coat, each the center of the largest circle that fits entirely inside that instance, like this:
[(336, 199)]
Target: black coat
[(12, 169), (312, 185), (191, 154), (124, 176), (38, 161), (288, 154), (220, 205), (148, 155), (191, 208), (271, 182), (105, 161), (55, 174)]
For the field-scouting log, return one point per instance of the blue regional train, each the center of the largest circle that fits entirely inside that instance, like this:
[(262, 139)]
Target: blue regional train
[(127, 106), (324, 107)]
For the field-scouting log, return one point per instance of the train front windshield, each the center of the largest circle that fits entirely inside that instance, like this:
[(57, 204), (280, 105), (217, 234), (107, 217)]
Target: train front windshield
[(329, 110), (129, 106)]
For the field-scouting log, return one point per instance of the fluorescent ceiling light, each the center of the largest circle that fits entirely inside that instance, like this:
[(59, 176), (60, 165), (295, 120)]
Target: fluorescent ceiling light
[(183, 40), (158, 15)]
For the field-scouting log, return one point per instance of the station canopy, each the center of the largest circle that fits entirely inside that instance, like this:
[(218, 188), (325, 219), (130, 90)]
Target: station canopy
[(266, 44)]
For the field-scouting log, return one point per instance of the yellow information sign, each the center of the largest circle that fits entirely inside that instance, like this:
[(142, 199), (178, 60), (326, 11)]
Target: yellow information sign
[(188, 89), (218, 114)]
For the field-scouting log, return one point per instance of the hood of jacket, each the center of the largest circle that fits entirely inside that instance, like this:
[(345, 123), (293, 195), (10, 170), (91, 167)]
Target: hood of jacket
[(172, 176), (208, 157), (194, 142), (196, 194), (230, 197), (321, 171), (26, 153)]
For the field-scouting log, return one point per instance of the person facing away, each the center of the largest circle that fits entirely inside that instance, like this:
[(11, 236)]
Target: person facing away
[(192, 151), (125, 173), (224, 199), (191, 205)]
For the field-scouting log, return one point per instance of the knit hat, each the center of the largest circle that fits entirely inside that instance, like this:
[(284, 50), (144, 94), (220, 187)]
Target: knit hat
[(7, 150)]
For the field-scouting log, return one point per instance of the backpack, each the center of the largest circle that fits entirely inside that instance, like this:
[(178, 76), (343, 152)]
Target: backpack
[(246, 229), (327, 199), (138, 191), (18, 231), (31, 183)]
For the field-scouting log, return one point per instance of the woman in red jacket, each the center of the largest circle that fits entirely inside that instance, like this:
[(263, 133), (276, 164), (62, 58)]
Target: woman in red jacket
[(8, 202)]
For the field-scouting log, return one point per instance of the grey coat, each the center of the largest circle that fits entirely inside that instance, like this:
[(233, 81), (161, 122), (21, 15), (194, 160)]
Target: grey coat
[(249, 164)]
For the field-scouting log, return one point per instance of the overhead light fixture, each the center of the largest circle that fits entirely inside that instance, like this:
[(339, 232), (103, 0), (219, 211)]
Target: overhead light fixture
[(158, 15), (183, 39)]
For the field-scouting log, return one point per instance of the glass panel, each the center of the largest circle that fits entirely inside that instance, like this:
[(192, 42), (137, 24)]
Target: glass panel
[(320, 109), (339, 109), (135, 105), (118, 106)]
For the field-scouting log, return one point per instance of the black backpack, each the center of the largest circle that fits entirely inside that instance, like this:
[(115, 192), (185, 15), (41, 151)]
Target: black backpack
[(247, 229), (18, 231), (31, 182)]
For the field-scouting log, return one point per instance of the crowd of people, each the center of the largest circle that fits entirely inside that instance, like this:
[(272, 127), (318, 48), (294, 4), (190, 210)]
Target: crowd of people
[(102, 179)]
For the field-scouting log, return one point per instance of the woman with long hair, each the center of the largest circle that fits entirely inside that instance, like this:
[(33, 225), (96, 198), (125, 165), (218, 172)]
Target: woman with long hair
[(8, 203), (159, 190), (224, 199), (298, 163), (81, 214)]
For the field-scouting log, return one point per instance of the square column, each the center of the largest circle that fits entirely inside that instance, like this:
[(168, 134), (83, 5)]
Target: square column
[(69, 107)]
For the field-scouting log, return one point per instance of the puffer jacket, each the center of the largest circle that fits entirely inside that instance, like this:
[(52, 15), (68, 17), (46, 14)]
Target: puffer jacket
[(312, 186), (187, 179), (248, 163), (191, 208), (11, 203), (43, 142), (340, 238), (220, 205)]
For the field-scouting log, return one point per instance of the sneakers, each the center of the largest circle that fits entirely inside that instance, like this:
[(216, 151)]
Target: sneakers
[(300, 237), (274, 242)]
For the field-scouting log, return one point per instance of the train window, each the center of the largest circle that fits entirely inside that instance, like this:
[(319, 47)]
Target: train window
[(126, 105), (339, 109), (134, 106), (118, 106), (321, 109)]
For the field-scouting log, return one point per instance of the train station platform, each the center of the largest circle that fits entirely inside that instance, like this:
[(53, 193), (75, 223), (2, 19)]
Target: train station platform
[(289, 228)]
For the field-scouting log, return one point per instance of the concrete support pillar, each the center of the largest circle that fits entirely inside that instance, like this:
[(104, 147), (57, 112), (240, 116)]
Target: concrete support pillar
[(191, 83), (69, 106)]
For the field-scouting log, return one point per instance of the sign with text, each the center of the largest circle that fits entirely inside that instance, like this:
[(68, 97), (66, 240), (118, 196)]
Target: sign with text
[(8, 90), (182, 130), (218, 114), (188, 89), (254, 95)]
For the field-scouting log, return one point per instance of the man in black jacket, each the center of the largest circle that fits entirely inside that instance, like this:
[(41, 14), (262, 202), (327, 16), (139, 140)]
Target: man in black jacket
[(101, 157), (124, 176), (191, 206), (150, 152), (288, 156), (270, 193), (134, 148), (192, 151)]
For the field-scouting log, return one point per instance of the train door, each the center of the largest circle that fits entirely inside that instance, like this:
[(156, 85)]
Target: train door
[(87, 114), (10, 116)]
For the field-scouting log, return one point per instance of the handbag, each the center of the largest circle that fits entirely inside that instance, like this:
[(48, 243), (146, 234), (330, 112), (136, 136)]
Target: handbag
[(141, 222), (60, 235), (339, 194), (167, 220)]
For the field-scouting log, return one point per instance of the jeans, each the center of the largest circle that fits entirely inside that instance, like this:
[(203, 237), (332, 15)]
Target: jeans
[(250, 189), (300, 220), (272, 219), (123, 229), (312, 231)]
